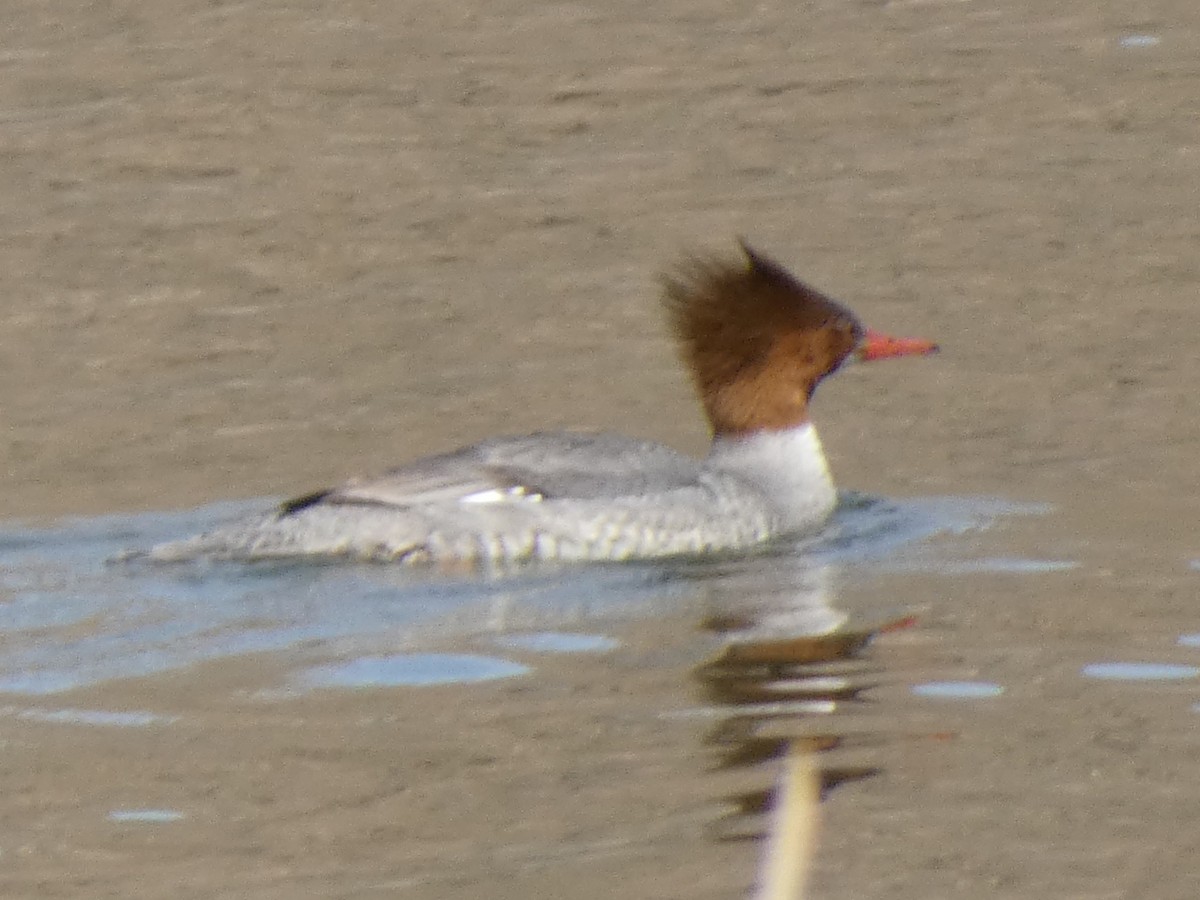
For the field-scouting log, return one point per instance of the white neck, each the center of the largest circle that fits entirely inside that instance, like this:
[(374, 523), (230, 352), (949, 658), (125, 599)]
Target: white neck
[(788, 466)]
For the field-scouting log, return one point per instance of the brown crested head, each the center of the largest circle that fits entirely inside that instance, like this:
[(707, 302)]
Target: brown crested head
[(756, 339)]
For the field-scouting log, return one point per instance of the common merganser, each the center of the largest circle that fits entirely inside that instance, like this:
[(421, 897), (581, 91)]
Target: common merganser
[(757, 342)]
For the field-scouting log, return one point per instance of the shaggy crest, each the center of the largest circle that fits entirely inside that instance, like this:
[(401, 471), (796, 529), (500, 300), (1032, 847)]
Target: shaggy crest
[(757, 339)]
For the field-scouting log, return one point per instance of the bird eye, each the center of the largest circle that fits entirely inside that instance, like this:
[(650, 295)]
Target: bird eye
[(845, 324)]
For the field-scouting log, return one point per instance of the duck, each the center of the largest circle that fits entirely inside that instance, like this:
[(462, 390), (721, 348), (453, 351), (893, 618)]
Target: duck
[(756, 341)]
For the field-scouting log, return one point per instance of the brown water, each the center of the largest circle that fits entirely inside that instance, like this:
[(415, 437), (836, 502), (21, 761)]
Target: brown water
[(252, 248)]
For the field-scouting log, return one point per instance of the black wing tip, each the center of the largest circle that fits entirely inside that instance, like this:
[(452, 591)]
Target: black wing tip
[(290, 507)]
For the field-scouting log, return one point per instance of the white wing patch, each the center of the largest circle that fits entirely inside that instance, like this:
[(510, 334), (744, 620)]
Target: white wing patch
[(504, 495)]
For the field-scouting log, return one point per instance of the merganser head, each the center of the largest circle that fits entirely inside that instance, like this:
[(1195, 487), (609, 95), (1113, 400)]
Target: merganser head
[(758, 341)]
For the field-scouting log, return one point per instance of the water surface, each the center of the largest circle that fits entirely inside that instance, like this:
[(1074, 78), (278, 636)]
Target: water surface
[(72, 616)]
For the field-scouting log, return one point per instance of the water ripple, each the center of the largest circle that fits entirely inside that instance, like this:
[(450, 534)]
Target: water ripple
[(71, 617)]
